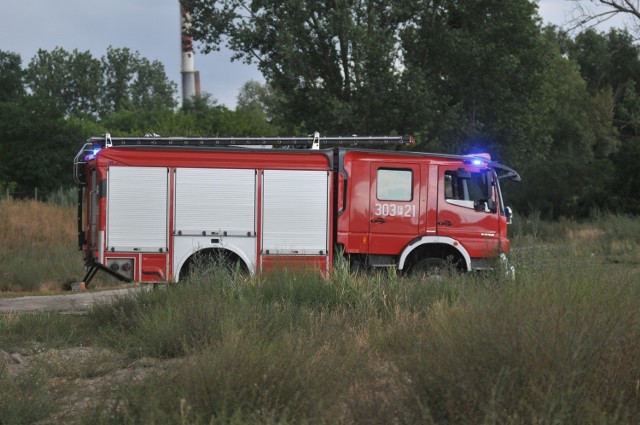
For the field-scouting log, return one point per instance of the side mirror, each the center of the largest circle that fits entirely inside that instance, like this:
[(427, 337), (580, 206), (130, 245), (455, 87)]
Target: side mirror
[(509, 214)]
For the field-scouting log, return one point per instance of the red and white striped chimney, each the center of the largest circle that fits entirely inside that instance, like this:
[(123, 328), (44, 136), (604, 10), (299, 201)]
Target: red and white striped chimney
[(190, 77)]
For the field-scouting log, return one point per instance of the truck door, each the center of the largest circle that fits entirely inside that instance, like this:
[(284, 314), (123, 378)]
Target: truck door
[(394, 206), (467, 209)]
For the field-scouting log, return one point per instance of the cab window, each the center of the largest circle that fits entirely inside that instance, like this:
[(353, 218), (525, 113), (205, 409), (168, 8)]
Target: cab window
[(394, 185)]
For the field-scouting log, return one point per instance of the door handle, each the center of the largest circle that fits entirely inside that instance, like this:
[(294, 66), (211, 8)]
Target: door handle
[(446, 223), (377, 220)]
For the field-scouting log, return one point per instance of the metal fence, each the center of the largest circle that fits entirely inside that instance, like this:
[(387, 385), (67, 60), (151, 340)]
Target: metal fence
[(61, 196)]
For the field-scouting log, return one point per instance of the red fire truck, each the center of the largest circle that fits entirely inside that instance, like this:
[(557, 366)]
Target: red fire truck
[(149, 207)]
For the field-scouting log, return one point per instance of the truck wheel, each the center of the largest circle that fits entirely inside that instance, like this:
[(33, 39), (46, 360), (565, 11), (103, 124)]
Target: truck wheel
[(432, 269), (208, 261)]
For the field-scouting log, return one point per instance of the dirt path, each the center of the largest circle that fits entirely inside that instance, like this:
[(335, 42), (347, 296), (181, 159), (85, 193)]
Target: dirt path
[(71, 303)]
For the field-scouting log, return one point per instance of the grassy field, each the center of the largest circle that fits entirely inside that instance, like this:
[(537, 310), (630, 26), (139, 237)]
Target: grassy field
[(560, 344), (39, 247)]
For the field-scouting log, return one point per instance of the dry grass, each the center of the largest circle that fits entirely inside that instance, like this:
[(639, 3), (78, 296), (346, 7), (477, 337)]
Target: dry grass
[(35, 225), (587, 234), (37, 246)]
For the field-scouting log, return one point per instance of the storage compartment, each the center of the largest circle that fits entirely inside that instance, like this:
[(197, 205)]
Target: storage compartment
[(215, 202), (295, 212), (137, 209)]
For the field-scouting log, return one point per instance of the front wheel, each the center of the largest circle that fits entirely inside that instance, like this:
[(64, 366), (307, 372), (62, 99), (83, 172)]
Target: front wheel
[(433, 269)]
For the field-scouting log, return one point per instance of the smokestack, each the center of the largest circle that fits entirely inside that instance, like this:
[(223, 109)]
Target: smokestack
[(190, 77)]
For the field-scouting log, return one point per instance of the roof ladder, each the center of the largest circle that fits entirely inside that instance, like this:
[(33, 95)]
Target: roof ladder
[(314, 141)]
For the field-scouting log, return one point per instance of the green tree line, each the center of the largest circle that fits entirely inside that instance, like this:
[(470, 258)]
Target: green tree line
[(462, 77), (49, 107)]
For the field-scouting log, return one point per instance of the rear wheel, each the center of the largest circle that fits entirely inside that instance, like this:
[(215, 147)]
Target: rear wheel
[(212, 261)]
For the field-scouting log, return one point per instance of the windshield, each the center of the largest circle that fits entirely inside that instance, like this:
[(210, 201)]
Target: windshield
[(473, 190)]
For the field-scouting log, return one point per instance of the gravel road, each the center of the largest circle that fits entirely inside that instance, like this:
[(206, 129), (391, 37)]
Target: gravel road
[(71, 303)]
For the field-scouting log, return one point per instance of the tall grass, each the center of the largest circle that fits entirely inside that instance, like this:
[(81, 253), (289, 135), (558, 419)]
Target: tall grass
[(35, 224), (37, 246), (560, 343), (561, 350), (67, 197), (44, 330)]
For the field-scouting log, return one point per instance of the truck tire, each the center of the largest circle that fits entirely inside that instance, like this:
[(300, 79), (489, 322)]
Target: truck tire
[(221, 260), (432, 268)]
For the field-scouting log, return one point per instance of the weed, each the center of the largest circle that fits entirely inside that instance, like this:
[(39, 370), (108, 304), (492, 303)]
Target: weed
[(27, 398), (32, 333)]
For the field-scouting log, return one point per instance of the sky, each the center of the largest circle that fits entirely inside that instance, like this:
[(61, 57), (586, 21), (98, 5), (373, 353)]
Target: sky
[(152, 28)]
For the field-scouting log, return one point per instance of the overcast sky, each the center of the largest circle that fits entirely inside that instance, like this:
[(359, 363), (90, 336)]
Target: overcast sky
[(151, 27)]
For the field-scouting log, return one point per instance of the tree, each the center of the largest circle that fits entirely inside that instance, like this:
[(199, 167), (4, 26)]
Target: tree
[(624, 6), (324, 59), (606, 60), (134, 82), (561, 178), (206, 117), (253, 111), (201, 116), (611, 62), (119, 68), (590, 17), (11, 91), (151, 89), (41, 129), (252, 94), (11, 77), (482, 65), (462, 75), (85, 86), (36, 145), (73, 79), (626, 174)]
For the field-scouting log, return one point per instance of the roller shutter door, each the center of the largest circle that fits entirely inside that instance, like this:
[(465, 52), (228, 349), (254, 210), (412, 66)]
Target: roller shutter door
[(137, 209), (215, 201), (295, 212)]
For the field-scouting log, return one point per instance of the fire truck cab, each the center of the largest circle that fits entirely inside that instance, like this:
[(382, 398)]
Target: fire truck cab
[(415, 211), (150, 208)]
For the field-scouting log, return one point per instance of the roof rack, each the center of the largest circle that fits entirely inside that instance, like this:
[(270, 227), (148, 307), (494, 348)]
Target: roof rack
[(313, 141)]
